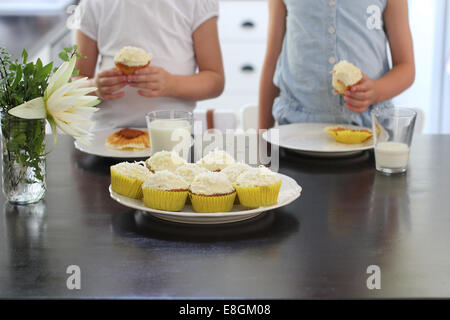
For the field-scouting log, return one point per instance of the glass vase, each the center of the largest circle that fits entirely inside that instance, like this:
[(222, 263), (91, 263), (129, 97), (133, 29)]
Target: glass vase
[(23, 159)]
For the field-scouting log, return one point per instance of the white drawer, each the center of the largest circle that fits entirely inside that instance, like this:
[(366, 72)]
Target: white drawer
[(243, 21), (242, 64)]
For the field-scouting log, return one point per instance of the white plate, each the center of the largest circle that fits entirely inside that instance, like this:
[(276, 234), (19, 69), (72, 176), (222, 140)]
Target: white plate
[(310, 138), (98, 147), (289, 191)]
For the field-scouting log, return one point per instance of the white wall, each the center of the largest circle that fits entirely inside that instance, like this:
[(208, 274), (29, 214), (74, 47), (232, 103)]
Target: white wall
[(427, 26)]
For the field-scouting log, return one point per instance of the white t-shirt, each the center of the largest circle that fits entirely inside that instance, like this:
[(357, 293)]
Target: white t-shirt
[(162, 27)]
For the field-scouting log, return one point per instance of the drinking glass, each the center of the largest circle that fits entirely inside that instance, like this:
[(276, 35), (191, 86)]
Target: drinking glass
[(393, 132), (170, 130)]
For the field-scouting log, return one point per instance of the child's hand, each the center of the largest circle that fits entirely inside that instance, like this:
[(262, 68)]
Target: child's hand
[(158, 81), (108, 82), (362, 95)]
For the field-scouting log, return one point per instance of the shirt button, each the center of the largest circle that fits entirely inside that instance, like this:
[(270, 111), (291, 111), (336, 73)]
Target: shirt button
[(332, 60), (332, 3), (331, 30)]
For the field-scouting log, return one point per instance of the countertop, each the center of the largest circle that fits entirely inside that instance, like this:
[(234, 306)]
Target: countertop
[(348, 218)]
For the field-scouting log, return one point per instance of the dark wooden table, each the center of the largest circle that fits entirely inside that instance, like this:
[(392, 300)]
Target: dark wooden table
[(347, 219)]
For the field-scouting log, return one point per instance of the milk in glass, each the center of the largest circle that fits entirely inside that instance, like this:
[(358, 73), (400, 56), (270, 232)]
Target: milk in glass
[(391, 155), (170, 135)]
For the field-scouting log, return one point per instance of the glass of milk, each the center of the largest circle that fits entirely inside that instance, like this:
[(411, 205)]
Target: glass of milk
[(170, 130), (393, 131)]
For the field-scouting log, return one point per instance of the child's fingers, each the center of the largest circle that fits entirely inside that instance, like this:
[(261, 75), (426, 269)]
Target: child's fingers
[(355, 102), (110, 81), (112, 89), (142, 78), (147, 70), (360, 87), (110, 73), (361, 96)]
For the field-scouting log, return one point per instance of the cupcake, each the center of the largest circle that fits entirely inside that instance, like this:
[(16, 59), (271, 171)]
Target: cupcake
[(189, 171), (212, 192), (233, 171), (165, 190), (345, 75), (258, 187), (129, 59), (216, 160), (128, 139), (164, 160), (127, 178), (349, 136)]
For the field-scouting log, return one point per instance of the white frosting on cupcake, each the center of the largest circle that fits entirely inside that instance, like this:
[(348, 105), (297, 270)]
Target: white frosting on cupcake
[(233, 171), (211, 183), (165, 180), (132, 170), (347, 73), (189, 171), (216, 160), (132, 57), (256, 177), (165, 160)]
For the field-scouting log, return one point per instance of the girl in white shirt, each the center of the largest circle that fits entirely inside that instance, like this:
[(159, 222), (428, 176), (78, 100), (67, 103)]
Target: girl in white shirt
[(183, 40)]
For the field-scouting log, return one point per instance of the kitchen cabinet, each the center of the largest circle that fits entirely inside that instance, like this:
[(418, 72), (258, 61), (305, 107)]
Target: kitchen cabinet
[(242, 33)]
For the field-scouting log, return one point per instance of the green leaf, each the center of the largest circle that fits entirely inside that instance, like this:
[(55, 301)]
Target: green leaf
[(24, 56), (63, 56), (47, 69), (17, 79), (75, 72), (20, 138), (39, 64), (43, 73), (28, 70), (79, 55)]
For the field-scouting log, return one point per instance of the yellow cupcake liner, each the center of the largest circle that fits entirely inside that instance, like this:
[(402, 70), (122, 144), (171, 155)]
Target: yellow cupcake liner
[(164, 199), (209, 204), (128, 187), (261, 196), (348, 136)]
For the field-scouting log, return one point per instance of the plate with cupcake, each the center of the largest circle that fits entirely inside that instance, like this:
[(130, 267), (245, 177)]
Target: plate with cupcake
[(133, 143), (321, 139), (214, 190)]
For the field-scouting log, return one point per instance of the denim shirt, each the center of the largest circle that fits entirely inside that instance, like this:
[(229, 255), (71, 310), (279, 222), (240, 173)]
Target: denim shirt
[(320, 33)]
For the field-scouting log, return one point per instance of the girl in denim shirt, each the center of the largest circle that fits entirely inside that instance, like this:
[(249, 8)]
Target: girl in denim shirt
[(306, 38)]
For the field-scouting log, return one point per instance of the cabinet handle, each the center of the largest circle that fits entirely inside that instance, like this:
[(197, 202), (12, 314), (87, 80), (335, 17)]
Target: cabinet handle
[(248, 24), (247, 68)]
